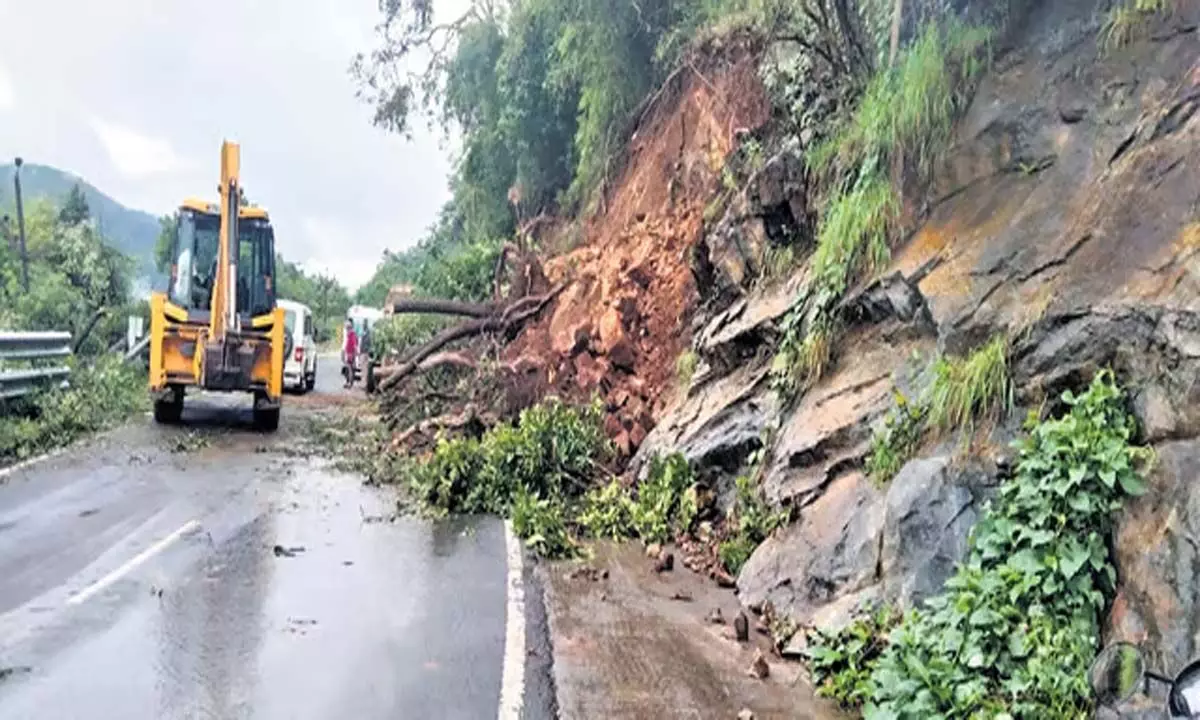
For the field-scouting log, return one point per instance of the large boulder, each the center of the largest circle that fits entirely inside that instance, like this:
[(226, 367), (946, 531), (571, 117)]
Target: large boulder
[(832, 551), (930, 513)]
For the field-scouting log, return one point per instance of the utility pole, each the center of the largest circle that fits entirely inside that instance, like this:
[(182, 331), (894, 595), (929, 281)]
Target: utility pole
[(21, 225)]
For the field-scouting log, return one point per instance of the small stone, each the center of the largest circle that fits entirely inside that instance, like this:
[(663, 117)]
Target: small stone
[(723, 578), (741, 627), (637, 436), (759, 668), (682, 596), (745, 714), (715, 617), (666, 563), (653, 551)]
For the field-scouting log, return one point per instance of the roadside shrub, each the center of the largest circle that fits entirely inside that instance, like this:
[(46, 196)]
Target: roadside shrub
[(552, 451), (666, 499), (541, 523), (607, 512), (1016, 628), (100, 396)]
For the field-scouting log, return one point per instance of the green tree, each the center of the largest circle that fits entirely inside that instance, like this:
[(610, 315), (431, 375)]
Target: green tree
[(164, 246), (75, 208)]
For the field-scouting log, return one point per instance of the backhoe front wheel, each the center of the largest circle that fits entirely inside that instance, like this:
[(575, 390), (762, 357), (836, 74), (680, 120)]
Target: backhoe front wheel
[(266, 414), (168, 408)]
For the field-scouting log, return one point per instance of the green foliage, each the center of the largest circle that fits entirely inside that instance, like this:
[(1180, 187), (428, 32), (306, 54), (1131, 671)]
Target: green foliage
[(541, 523), (841, 661), (1016, 627), (894, 444), (908, 111), (447, 263), (975, 386), (685, 367), (100, 396), (666, 499), (607, 512), (130, 232), (962, 391), (551, 453), (397, 334), (1127, 20), (75, 208), (749, 524)]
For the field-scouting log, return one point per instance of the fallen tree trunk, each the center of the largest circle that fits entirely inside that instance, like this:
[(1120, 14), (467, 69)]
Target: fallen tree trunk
[(499, 320), (434, 306)]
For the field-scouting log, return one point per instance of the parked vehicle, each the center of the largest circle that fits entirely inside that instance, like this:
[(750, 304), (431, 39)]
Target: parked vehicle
[(1119, 671), (300, 346)]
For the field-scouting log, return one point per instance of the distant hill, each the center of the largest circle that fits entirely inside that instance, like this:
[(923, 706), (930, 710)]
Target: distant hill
[(133, 232)]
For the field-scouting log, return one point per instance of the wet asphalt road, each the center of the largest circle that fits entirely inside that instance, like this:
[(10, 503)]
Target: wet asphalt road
[(205, 572)]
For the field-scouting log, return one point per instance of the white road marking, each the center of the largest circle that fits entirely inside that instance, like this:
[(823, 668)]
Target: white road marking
[(512, 683), (103, 583), (30, 462)]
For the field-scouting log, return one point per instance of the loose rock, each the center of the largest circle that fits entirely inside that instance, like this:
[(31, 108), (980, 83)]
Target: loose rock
[(715, 617), (759, 668), (741, 627), (666, 563)]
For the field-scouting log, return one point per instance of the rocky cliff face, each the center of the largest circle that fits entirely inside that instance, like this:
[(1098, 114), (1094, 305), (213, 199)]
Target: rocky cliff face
[(1065, 216)]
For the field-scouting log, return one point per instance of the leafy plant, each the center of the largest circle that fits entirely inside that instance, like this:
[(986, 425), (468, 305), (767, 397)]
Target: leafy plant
[(607, 512), (1016, 627), (666, 499), (894, 444), (841, 660), (541, 523), (750, 523), (551, 453)]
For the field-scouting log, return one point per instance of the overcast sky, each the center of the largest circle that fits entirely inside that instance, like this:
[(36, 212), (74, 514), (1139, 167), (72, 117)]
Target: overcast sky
[(136, 95)]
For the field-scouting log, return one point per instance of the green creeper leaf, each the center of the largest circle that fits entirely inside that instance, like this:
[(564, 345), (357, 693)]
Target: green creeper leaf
[(1132, 484), (1074, 555), (1109, 477), (1080, 502)]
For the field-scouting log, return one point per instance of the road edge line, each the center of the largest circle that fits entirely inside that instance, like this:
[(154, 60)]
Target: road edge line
[(130, 565), (25, 464), (512, 683)]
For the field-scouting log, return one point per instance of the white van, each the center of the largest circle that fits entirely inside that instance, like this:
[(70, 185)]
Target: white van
[(299, 346)]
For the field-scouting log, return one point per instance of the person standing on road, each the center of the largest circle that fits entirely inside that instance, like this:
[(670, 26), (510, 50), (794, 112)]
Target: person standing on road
[(349, 352)]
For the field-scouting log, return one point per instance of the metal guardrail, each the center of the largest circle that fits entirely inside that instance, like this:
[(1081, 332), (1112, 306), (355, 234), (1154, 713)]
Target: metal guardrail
[(27, 346)]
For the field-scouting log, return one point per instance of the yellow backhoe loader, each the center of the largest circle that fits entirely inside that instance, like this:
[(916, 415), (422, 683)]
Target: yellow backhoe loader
[(217, 327)]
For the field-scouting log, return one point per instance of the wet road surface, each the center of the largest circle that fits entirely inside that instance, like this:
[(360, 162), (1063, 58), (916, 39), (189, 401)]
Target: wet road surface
[(206, 572)]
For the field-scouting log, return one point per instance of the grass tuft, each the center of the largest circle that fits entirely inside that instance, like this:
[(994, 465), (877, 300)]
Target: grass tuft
[(1126, 20), (975, 386)]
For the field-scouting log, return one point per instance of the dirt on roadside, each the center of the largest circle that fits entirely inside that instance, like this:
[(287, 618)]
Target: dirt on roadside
[(630, 642)]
